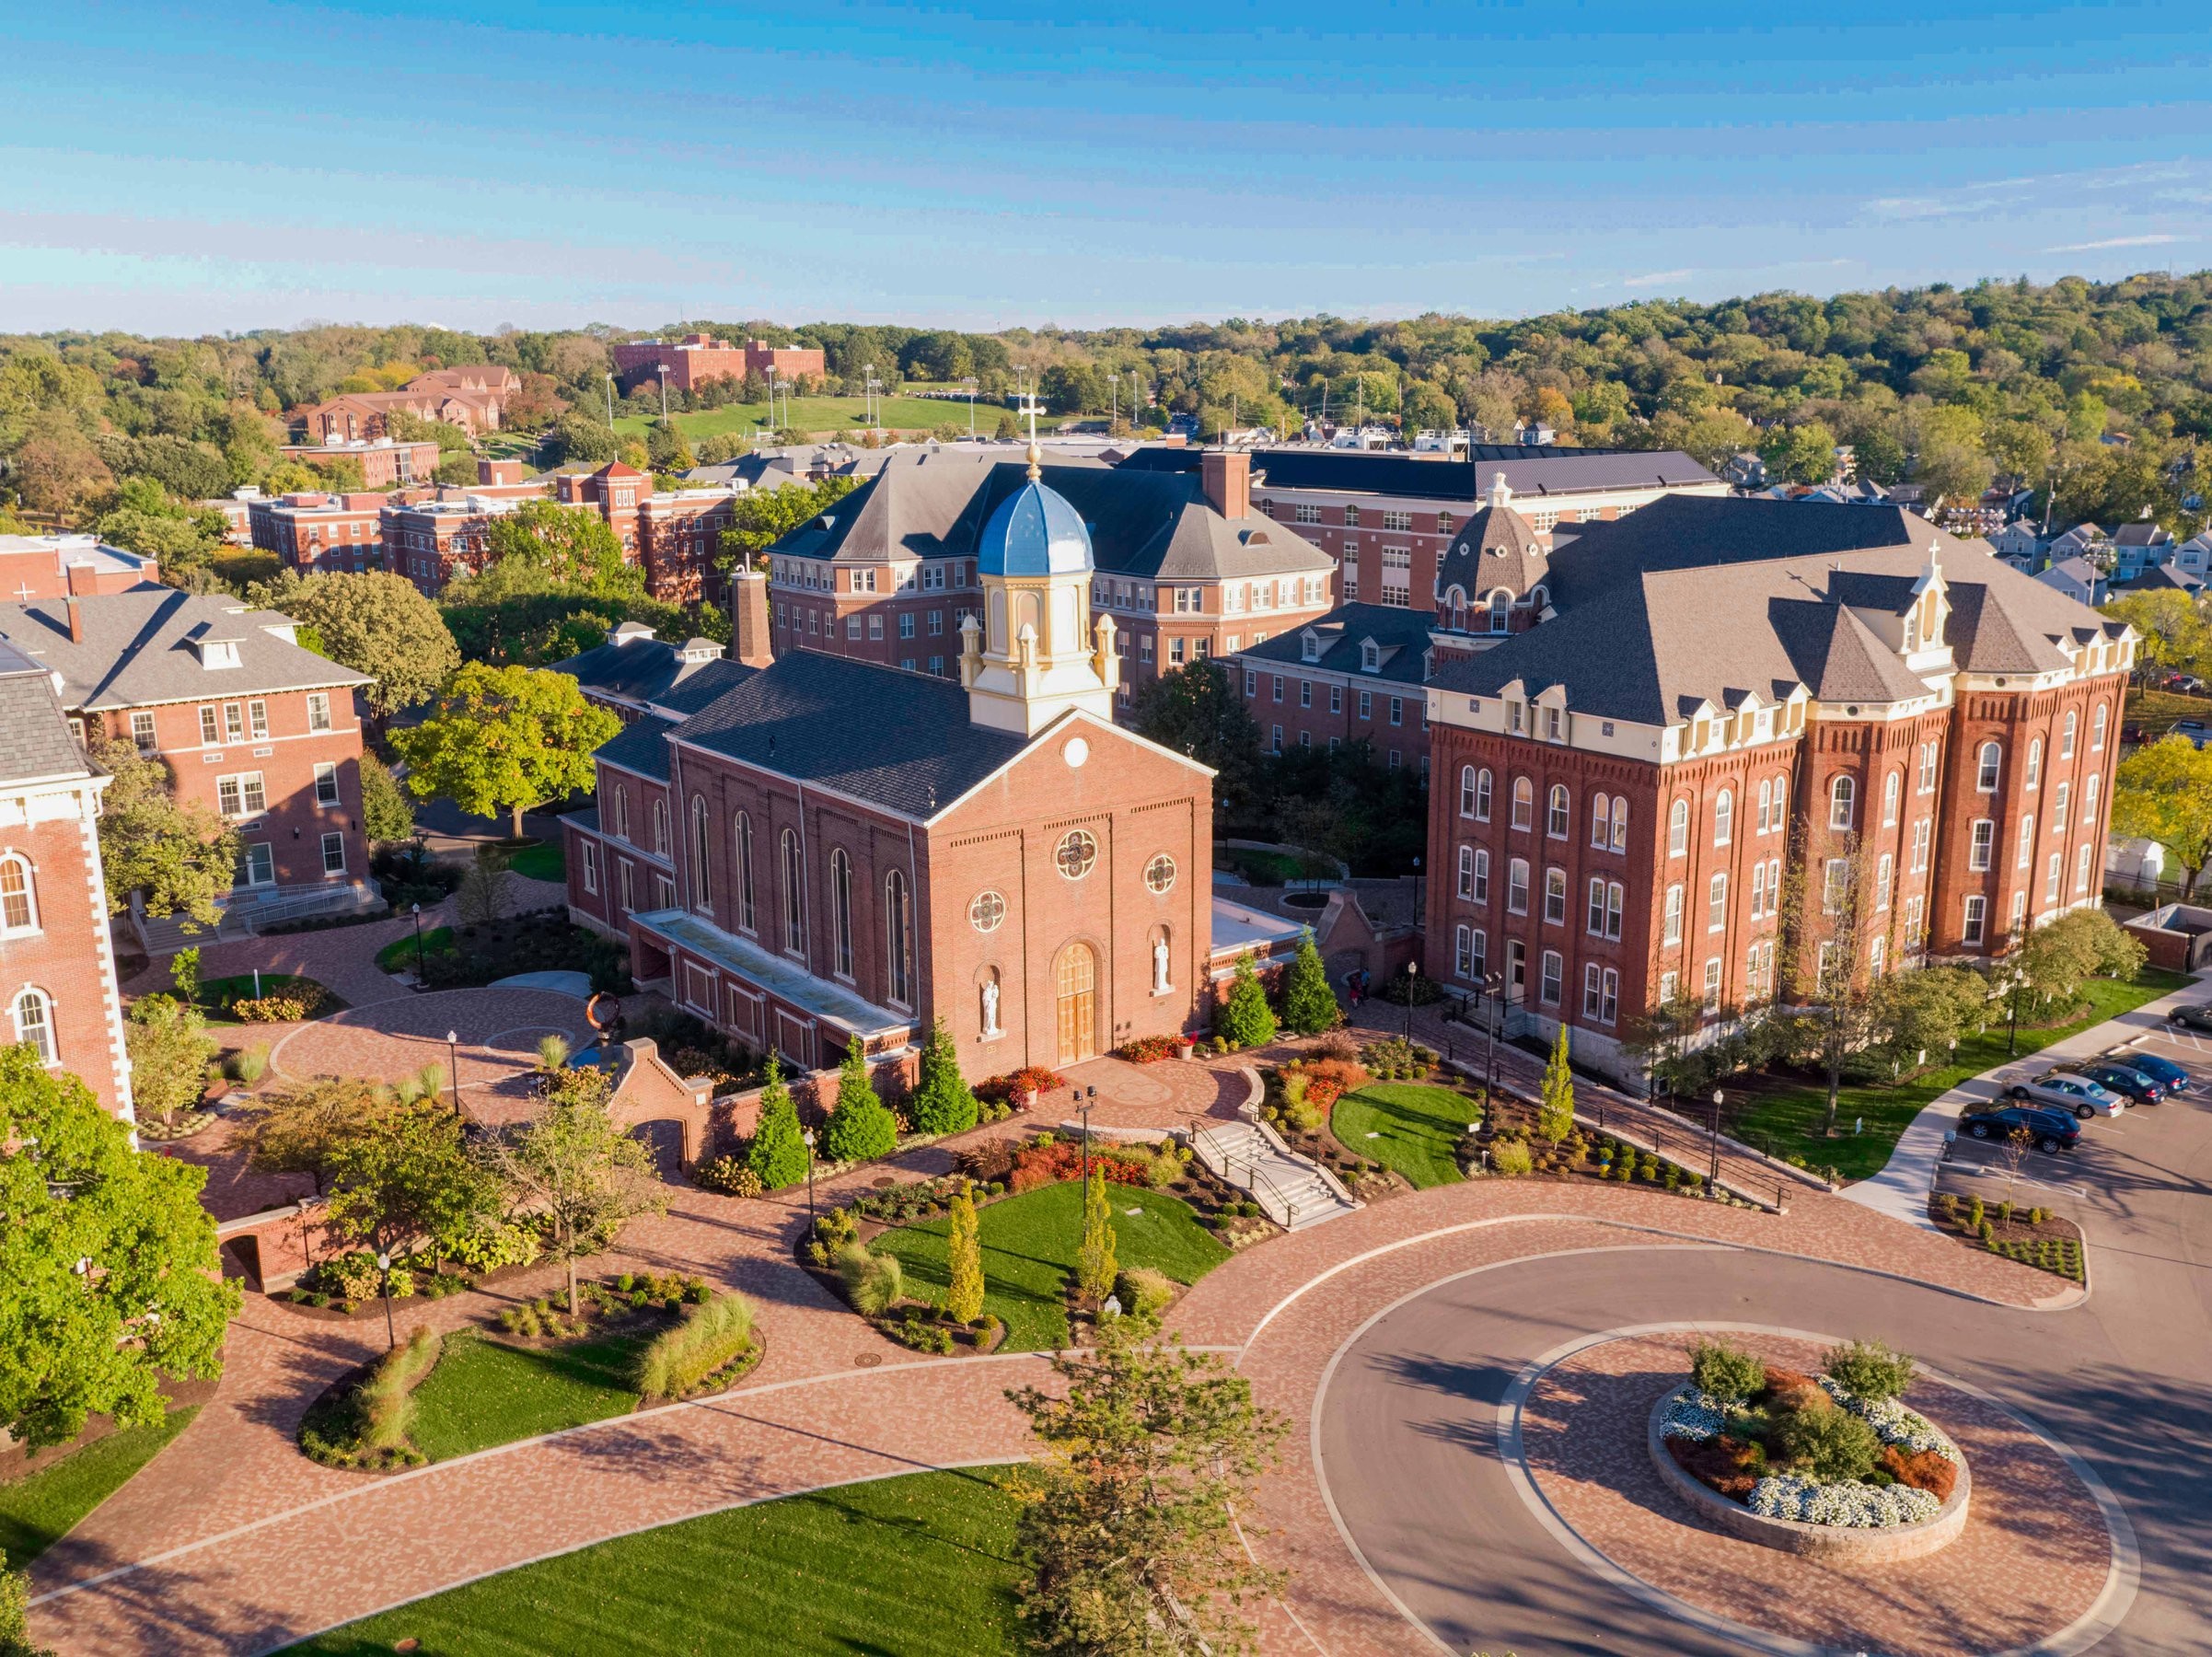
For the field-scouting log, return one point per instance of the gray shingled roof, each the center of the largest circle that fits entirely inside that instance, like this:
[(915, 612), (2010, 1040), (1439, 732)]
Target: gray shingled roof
[(642, 748), (706, 681), (1498, 548), (1402, 633), (36, 742), (896, 739), (1527, 471), (1150, 526), (637, 669), (138, 649)]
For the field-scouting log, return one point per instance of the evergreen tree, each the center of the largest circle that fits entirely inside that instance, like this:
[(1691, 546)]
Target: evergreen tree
[(859, 1129), (1245, 1018), (1309, 1005), (943, 1103), (964, 1298), (778, 1154), (1555, 1115), (1094, 1265)]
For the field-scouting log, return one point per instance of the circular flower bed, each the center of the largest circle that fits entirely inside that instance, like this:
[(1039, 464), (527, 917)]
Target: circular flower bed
[(1793, 1456)]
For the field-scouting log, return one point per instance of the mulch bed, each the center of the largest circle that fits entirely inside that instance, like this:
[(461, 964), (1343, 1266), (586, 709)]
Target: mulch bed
[(2054, 1245)]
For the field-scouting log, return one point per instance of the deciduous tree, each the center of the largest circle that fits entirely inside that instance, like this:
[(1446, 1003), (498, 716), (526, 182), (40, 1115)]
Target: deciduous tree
[(2164, 793), (375, 623), (182, 858), (170, 1050), (505, 739), (1555, 1109), (763, 516)]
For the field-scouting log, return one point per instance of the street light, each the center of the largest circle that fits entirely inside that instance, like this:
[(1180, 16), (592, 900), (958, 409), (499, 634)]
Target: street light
[(453, 1055), (392, 1337), (663, 374), (1087, 1100), (610, 402), (416, 909), (807, 1135), (1413, 973), (1712, 1178), (1492, 983)]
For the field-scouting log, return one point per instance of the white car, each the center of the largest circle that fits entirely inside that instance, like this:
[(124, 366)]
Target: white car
[(2062, 1090)]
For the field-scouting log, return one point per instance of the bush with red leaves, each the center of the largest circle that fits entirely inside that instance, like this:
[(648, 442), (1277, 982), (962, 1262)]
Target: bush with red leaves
[(1007, 1089), (1922, 1469), (1723, 1464), (1035, 1166)]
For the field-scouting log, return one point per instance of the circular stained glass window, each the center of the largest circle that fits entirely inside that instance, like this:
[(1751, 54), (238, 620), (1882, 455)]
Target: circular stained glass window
[(1077, 852), (985, 914), (1160, 873)]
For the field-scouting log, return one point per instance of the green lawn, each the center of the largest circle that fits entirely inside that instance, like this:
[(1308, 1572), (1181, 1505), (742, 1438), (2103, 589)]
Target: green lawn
[(38, 1512), (920, 1563), (1416, 1127), (398, 955), (1787, 1121), (1030, 1251), (846, 416), (214, 992), (485, 1392), (539, 862)]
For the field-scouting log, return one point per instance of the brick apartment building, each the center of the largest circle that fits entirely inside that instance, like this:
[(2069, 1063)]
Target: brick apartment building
[(829, 848), (384, 462), (57, 964), (258, 730), (1726, 697), (1185, 567), (473, 398), (1389, 520), (310, 530), (53, 566), (1354, 675), (699, 359)]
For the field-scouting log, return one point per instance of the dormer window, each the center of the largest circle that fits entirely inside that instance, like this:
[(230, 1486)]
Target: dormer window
[(1371, 656), (1309, 648), (219, 653)]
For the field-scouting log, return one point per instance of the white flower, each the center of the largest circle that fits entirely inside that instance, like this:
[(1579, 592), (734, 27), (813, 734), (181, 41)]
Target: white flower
[(1690, 1417), (1844, 1506), (1895, 1424)]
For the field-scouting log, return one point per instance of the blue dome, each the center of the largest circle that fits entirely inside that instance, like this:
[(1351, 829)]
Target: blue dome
[(1034, 532)]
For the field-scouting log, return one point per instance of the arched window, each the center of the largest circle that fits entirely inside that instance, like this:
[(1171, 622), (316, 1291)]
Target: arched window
[(1891, 791), (1986, 767), (743, 873), (1501, 607), (1556, 816), (1842, 796), (1601, 820), (660, 827), (34, 1024), (1466, 791), (2097, 730), (1678, 829), (1482, 794), (1781, 803), (1525, 803), (794, 896), (898, 937), (841, 912), (2066, 740), (1766, 805), (1620, 822), (2033, 776), (2089, 798), (1724, 817), (702, 876), (18, 899)]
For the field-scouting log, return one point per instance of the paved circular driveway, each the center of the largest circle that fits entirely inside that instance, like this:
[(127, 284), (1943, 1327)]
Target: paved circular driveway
[(498, 1031)]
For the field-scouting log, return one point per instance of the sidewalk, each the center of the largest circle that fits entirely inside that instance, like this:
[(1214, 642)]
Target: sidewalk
[(1901, 1189)]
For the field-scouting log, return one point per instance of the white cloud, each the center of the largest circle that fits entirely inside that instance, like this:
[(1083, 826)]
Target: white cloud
[(2117, 241), (1654, 278)]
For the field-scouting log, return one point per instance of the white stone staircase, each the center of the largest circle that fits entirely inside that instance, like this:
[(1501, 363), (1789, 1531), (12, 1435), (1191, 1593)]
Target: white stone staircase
[(1292, 1191)]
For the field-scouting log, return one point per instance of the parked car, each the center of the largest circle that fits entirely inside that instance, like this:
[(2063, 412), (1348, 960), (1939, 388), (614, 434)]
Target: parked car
[(2196, 730), (2052, 1130), (2129, 1083), (2069, 1090), (2164, 1072), (2196, 1015)]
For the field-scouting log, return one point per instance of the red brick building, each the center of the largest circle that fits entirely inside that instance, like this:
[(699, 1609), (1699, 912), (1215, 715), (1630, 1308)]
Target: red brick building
[(309, 530), (1389, 520), (1724, 699), (698, 359), (258, 730), (1184, 565), (835, 847), (58, 991), (383, 462), (1354, 675), (53, 566), (473, 398)]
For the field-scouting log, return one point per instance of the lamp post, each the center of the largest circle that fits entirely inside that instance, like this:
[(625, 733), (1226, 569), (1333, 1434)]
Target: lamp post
[(1712, 1176), (391, 1337), (453, 1058), (610, 402), (416, 909), (1086, 1099), (662, 367), (807, 1134), (1413, 973), (1493, 983)]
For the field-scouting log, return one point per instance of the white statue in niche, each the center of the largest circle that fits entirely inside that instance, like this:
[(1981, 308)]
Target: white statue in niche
[(990, 1007), (1160, 965)]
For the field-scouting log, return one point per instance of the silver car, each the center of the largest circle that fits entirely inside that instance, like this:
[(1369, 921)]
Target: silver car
[(2062, 1090)]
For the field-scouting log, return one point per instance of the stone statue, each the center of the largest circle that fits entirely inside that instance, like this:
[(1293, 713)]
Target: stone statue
[(1160, 965), (990, 1007)]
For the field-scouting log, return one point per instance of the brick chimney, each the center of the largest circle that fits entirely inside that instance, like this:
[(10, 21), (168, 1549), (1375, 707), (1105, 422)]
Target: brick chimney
[(76, 621), (748, 618), (1226, 475), (498, 472), (82, 579)]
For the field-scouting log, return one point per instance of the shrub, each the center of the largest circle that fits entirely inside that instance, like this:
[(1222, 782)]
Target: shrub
[(1309, 1004), (1928, 1470), (1029, 1079), (2037, 1216), (675, 1361), (248, 1064), (1869, 1371), (1730, 1466), (728, 1175), (859, 1129), (1827, 1444), (837, 1227), (489, 1247), (1169, 1164), (777, 1154), (1148, 1050), (1724, 1373), (1245, 1019), (1511, 1158), (1948, 1204), (1975, 1222), (872, 1281), (1051, 1160), (942, 1102), (1143, 1291)]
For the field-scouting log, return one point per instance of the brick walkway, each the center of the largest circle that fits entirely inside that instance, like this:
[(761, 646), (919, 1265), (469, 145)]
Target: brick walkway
[(2031, 1560)]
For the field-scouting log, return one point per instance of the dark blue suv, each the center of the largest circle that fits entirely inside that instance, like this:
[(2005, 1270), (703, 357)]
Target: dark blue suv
[(2050, 1130)]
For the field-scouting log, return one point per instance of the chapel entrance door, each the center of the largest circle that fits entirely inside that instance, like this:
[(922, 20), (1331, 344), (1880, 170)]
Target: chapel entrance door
[(1076, 983)]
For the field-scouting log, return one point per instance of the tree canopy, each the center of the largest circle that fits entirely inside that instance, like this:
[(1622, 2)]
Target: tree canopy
[(505, 739), (179, 855), (375, 623), (2164, 793)]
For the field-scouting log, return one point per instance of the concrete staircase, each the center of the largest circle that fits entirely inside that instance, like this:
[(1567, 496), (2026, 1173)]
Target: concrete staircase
[(245, 916), (1292, 1191)]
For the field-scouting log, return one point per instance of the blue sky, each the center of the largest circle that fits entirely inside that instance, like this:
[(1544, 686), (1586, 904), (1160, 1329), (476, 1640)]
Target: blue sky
[(188, 167)]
